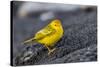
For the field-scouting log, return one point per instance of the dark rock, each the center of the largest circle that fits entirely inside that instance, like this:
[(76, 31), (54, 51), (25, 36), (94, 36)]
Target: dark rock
[(79, 43)]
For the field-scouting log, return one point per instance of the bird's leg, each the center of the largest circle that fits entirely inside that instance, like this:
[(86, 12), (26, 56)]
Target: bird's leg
[(50, 50)]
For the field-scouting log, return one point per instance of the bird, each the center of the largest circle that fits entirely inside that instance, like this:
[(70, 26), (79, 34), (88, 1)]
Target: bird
[(48, 36)]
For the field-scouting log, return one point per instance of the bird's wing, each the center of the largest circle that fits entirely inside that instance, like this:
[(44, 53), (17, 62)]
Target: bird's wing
[(44, 32)]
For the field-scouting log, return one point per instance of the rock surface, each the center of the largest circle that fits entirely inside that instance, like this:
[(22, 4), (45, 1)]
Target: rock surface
[(79, 43)]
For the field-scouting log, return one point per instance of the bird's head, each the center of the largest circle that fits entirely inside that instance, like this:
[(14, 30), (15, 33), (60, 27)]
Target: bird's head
[(56, 23)]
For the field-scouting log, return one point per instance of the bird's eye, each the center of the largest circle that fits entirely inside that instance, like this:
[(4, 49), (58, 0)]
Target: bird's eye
[(55, 25)]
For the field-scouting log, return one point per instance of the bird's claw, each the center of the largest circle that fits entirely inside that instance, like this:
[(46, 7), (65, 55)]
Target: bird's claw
[(51, 51)]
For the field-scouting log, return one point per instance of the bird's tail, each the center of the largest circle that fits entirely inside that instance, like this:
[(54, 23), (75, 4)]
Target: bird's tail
[(32, 40)]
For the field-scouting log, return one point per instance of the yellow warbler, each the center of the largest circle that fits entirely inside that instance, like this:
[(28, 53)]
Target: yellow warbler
[(49, 35)]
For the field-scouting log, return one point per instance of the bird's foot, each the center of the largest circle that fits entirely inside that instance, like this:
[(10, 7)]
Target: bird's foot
[(51, 51)]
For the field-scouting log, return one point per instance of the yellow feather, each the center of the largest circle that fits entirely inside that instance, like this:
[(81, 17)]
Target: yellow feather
[(49, 35)]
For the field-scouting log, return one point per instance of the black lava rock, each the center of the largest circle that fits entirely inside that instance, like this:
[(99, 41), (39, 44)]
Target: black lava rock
[(79, 43)]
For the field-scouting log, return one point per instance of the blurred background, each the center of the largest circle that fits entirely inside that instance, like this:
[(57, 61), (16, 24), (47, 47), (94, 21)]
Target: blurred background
[(29, 17)]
